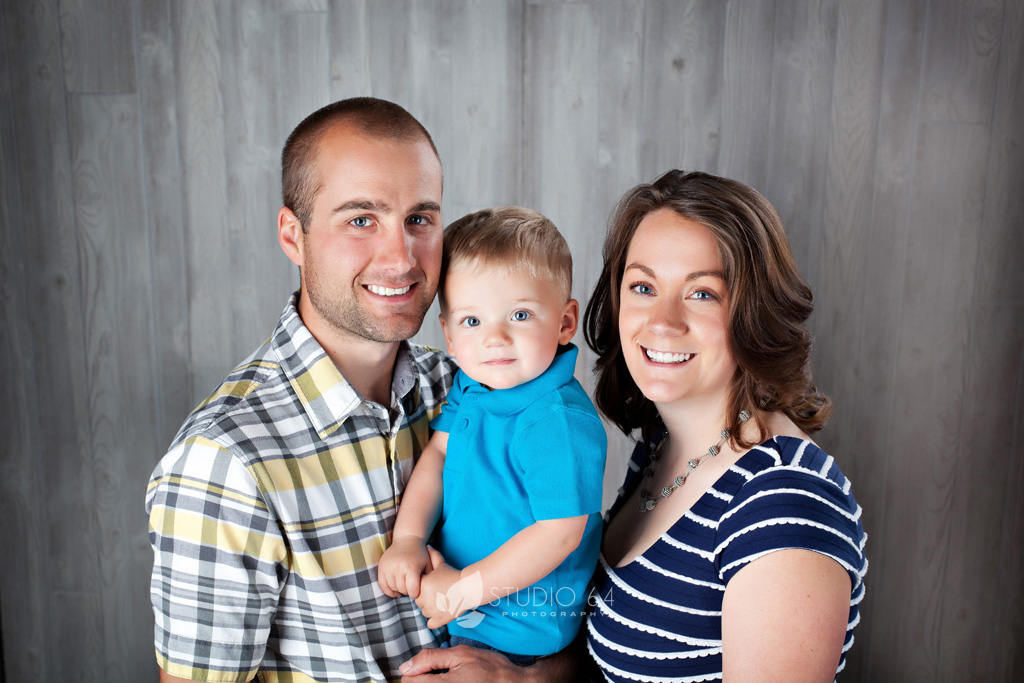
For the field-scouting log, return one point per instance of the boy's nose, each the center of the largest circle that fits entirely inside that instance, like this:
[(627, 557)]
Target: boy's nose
[(497, 335)]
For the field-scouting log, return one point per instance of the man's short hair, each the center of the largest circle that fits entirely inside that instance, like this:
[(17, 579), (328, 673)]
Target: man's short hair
[(300, 179), (521, 240)]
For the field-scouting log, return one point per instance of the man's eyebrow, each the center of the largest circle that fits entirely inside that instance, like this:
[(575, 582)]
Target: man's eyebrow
[(426, 206), (692, 276), (362, 205)]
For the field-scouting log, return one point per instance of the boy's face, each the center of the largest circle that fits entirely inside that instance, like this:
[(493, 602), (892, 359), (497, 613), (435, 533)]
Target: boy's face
[(504, 327)]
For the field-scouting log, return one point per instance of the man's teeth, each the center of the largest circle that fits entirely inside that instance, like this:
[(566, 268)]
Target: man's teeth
[(387, 291), (659, 357)]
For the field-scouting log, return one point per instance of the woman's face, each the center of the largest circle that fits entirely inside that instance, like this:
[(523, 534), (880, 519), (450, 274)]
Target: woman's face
[(674, 312)]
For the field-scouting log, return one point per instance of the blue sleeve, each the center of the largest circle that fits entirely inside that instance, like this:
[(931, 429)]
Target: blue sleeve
[(561, 461), (792, 507), (444, 420)]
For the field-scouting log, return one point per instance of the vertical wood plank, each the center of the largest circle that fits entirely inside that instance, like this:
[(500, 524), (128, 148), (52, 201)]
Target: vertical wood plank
[(261, 277), (971, 645), (348, 33), (1000, 277), (25, 619), (963, 52), (116, 281), (1009, 614), (208, 251), (863, 425), (682, 72), (802, 69), (946, 205), (162, 179), (746, 87), (97, 46), (64, 552), (304, 71)]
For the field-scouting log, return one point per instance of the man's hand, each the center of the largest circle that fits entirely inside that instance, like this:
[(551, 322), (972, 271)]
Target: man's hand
[(445, 594), (464, 664), (401, 566)]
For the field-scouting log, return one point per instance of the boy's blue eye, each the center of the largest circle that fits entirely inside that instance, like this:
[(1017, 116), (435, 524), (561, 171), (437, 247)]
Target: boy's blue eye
[(520, 316), (471, 321)]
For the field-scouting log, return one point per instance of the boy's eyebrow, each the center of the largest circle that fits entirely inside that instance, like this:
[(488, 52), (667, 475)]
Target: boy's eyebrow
[(692, 276)]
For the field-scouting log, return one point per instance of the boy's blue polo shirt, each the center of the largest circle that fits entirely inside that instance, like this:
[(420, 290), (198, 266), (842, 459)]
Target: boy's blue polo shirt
[(516, 456)]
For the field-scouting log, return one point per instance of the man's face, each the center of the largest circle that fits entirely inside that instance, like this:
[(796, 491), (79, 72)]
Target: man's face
[(371, 255)]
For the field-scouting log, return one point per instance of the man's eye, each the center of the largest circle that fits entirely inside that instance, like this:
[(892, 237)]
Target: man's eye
[(361, 222), (471, 321), (520, 316), (418, 220)]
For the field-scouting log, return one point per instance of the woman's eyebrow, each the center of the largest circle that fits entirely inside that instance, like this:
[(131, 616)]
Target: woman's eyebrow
[(692, 276)]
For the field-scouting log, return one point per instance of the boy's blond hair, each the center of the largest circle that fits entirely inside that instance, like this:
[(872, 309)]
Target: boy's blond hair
[(521, 240)]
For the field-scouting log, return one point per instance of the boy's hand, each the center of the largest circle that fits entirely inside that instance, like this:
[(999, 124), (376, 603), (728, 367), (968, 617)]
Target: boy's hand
[(445, 594), (401, 566)]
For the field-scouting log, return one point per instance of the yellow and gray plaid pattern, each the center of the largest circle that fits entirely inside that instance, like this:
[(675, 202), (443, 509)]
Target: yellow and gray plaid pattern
[(270, 511)]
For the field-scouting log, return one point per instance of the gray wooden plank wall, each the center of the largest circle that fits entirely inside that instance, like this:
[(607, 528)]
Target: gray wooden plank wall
[(139, 146)]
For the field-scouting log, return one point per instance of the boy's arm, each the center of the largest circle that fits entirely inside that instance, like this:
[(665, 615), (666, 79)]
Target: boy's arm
[(406, 559), (521, 561)]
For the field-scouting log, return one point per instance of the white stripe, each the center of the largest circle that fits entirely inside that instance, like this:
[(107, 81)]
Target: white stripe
[(644, 654), (630, 590), (787, 520), (829, 461), (800, 452), (705, 554), (648, 679), (703, 521), (644, 562), (853, 517), (637, 626)]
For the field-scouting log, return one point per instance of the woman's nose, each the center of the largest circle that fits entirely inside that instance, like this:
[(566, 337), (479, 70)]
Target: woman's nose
[(668, 316)]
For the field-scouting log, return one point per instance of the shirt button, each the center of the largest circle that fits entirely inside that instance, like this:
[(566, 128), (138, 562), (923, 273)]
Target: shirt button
[(463, 423)]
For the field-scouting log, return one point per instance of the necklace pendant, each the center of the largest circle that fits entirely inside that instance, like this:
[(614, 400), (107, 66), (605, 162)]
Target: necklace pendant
[(666, 492), (692, 464)]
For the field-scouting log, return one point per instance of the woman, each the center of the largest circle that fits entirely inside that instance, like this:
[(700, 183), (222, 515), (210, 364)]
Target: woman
[(735, 549)]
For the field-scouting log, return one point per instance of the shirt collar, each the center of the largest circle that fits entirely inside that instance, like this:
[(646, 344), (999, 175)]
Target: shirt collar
[(518, 398), (323, 391)]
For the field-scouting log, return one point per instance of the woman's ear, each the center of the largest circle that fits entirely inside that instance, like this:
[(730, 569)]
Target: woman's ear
[(570, 319)]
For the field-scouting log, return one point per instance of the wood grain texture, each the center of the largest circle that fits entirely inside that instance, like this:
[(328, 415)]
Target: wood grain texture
[(934, 332), (746, 91), (348, 35), (162, 177), (200, 111), (682, 73), (962, 54), (865, 452), (116, 280), (97, 46), (802, 68), (258, 276), (1000, 277)]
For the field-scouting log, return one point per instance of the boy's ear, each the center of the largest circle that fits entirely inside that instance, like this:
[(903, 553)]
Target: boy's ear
[(570, 319), (447, 337)]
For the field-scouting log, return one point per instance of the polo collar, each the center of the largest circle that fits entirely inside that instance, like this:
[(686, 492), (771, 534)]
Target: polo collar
[(518, 398), (325, 394)]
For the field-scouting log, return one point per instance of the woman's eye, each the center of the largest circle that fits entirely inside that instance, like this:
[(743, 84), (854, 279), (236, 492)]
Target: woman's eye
[(520, 316), (641, 288), (471, 321), (361, 222), (702, 295)]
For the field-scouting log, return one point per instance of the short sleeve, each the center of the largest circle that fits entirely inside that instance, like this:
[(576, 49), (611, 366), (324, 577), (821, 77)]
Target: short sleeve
[(217, 557), (561, 460), (792, 507), (446, 418)]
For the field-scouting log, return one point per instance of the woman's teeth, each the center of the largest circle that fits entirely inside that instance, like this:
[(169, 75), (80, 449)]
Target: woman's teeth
[(387, 291), (659, 357)]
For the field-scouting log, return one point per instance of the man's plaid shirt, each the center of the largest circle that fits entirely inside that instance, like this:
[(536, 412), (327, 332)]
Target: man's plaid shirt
[(270, 511)]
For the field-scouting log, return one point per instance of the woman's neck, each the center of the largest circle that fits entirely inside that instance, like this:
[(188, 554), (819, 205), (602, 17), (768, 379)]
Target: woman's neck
[(695, 427)]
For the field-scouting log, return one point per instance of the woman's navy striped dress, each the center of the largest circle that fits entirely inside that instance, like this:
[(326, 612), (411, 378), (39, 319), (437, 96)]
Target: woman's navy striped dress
[(659, 618)]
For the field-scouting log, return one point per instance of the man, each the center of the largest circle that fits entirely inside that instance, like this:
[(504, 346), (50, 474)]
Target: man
[(271, 508)]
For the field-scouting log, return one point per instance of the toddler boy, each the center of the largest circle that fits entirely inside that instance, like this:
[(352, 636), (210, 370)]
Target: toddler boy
[(515, 465)]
